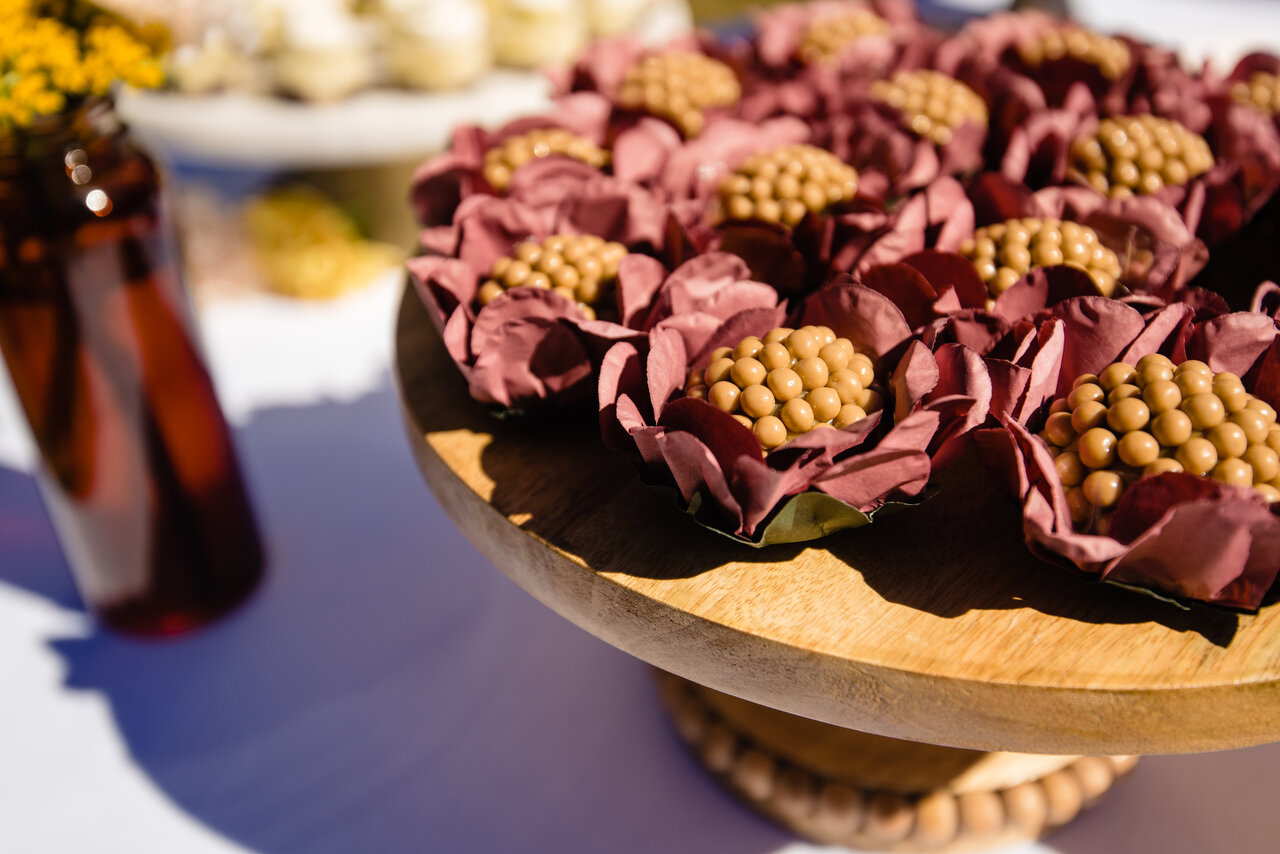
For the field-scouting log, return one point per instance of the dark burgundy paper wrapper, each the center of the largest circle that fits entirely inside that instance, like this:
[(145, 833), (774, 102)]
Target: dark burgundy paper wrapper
[(936, 400), (1178, 536)]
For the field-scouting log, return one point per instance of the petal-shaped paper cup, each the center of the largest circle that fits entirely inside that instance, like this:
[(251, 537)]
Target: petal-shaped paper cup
[(695, 169), (892, 159), (603, 67), (531, 348), (1152, 81), (1158, 253), (1236, 84), (1214, 205), (443, 181), (821, 481), (780, 31), (1179, 537), (938, 217)]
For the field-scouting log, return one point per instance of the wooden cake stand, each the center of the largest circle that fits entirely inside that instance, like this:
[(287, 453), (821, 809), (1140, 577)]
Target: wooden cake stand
[(866, 689)]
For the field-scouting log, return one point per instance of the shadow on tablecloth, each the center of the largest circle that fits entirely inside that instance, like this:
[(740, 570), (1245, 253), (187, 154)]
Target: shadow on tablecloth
[(387, 690)]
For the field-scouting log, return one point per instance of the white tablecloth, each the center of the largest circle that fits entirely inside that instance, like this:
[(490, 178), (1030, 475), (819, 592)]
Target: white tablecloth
[(387, 690)]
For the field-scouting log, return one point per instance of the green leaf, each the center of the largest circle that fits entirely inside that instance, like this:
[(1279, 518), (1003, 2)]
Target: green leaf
[(807, 516), (1147, 591)]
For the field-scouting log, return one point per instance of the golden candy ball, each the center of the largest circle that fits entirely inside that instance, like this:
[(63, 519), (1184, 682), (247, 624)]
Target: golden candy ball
[(748, 348), (797, 415), (1264, 461), (757, 401), (1128, 414), (747, 371), (1164, 465), (850, 413), (1197, 455), (1059, 430), (1234, 471), (1228, 440), (1138, 449), (1102, 488), (1088, 415), (1089, 391), (785, 384), (724, 395), (1097, 448), (1070, 470), (1205, 410), (1161, 396), (770, 431), (826, 403), (1172, 428)]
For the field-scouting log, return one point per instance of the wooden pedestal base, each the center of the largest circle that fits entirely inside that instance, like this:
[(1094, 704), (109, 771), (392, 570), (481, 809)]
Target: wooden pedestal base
[(837, 786)]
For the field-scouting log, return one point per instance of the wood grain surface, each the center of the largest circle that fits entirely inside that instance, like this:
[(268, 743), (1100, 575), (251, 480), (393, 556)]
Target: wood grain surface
[(931, 625)]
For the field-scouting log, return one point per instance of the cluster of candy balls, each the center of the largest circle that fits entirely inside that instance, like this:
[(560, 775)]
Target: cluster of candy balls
[(789, 382), (1131, 421)]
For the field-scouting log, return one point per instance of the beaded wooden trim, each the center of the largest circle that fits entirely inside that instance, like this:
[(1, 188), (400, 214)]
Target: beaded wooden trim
[(831, 812)]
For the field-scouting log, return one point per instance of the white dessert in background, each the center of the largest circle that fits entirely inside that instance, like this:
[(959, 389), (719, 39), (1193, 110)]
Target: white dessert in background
[(326, 51), (435, 44), (534, 33), (217, 63), (613, 17)]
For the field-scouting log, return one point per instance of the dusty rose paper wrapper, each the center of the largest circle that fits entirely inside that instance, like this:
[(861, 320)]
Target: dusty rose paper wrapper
[(1158, 253), (603, 67), (1154, 81), (778, 82), (1175, 536), (780, 29), (443, 181), (532, 348), (891, 159), (1215, 205), (819, 482), (940, 216)]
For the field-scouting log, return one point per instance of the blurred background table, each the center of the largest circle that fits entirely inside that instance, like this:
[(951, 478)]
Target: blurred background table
[(387, 689)]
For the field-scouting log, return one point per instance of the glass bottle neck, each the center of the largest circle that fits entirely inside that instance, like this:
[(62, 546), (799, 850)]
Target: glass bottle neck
[(55, 139)]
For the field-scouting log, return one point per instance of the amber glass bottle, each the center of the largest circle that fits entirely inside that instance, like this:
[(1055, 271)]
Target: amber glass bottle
[(137, 466)]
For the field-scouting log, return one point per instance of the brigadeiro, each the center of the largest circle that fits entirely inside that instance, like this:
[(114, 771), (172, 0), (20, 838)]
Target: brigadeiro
[(1217, 166), (563, 148), (527, 299), (686, 82), (782, 430), (1128, 438)]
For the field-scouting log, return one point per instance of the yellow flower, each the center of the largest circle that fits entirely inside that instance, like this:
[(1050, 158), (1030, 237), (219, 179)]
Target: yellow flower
[(53, 52)]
